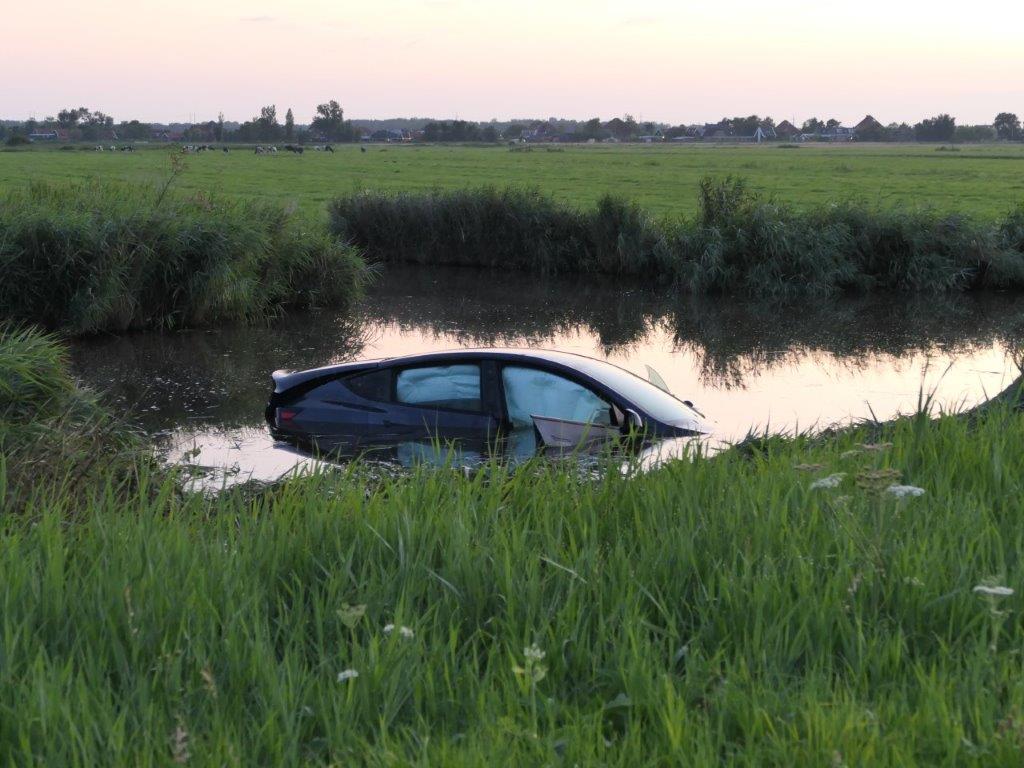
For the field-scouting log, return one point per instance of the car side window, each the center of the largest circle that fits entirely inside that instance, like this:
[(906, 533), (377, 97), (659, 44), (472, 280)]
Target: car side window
[(533, 392), (440, 386), (375, 385)]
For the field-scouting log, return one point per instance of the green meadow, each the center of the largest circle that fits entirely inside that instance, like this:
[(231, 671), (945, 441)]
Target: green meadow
[(974, 179)]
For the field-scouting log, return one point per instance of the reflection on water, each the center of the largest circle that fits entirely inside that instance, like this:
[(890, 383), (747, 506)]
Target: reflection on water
[(743, 364)]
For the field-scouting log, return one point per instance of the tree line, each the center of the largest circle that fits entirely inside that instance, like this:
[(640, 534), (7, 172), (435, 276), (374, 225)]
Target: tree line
[(328, 123)]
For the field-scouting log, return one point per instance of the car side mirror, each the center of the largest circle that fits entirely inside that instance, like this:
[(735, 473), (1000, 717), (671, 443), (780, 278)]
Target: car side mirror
[(634, 421)]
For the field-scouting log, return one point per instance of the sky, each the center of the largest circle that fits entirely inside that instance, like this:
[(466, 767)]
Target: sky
[(659, 60)]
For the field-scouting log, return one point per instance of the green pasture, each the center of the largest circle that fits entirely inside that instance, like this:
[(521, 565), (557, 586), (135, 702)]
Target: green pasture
[(976, 179)]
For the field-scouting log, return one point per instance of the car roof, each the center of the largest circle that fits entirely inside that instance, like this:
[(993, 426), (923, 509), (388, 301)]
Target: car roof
[(285, 380)]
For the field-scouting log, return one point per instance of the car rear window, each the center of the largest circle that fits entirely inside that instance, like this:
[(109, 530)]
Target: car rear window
[(375, 385)]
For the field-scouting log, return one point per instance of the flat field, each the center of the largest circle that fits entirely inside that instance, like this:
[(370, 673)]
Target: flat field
[(983, 180)]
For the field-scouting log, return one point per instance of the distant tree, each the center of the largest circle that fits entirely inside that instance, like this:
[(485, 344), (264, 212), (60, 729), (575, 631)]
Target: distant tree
[(30, 126), (676, 131), (514, 131), (832, 123), (329, 121), (744, 126), (68, 118), (900, 131), (814, 125), (456, 130), (263, 127), (939, 128), (133, 130), (591, 129), (220, 126), (289, 124), (974, 133), (3, 131), (1007, 126), (621, 129), (874, 132)]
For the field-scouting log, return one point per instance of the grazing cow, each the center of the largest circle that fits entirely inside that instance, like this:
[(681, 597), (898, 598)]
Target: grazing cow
[(362, 149), (225, 150), (98, 148), (299, 150), (329, 148), (274, 150)]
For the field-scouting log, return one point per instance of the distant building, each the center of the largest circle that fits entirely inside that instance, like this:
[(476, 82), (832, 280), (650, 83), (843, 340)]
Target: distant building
[(837, 133), (724, 132), (44, 136), (868, 124), (390, 135), (786, 130)]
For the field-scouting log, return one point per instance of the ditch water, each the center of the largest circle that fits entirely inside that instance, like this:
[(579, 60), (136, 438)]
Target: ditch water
[(747, 366)]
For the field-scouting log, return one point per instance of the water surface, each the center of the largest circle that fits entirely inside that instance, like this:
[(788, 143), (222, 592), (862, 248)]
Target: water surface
[(746, 365)]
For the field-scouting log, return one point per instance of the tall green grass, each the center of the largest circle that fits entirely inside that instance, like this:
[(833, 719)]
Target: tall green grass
[(84, 258), (53, 433), (739, 243), (715, 610)]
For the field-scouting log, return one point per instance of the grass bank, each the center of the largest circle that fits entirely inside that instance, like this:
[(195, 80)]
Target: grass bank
[(713, 611), (54, 435), (83, 258), (739, 242)]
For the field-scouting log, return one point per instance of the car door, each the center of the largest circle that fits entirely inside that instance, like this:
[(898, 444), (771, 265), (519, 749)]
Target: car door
[(446, 401), (562, 411)]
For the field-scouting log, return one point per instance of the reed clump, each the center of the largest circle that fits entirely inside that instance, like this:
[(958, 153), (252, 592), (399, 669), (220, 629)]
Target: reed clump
[(83, 258), (54, 435), (739, 243)]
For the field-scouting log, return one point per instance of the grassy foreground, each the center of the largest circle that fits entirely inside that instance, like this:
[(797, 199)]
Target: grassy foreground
[(712, 611), (92, 257), (981, 180)]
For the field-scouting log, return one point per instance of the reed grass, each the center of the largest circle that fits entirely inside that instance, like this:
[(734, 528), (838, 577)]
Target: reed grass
[(740, 242), (83, 258), (713, 611)]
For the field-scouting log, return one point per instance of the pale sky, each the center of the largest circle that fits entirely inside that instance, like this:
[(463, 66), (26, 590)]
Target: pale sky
[(477, 59)]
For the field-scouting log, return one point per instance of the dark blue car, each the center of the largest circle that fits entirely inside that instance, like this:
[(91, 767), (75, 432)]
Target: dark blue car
[(522, 399)]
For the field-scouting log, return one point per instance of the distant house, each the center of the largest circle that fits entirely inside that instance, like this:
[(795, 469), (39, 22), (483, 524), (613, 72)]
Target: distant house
[(868, 123), (869, 129), (43, 136), (836, 133), (786, 130), (723, 132), (390, 135)]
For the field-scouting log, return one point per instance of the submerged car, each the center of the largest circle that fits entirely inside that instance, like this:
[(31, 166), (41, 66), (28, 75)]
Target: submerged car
[(522, 399)]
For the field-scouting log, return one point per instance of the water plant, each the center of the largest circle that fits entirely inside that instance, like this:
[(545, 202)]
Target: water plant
[(740, 242), (92, 257)]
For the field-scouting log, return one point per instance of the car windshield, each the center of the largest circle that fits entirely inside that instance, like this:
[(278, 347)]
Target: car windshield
[(657, 403)]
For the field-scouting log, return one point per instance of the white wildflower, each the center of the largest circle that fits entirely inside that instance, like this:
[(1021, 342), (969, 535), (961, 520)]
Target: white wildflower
[(533, 653), (405, 632), (987, 591), (347, 674), (832, 481), (902, 491)]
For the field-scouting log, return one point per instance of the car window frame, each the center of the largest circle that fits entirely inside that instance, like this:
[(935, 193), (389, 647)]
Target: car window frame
[(595, 388), (397, 370)]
